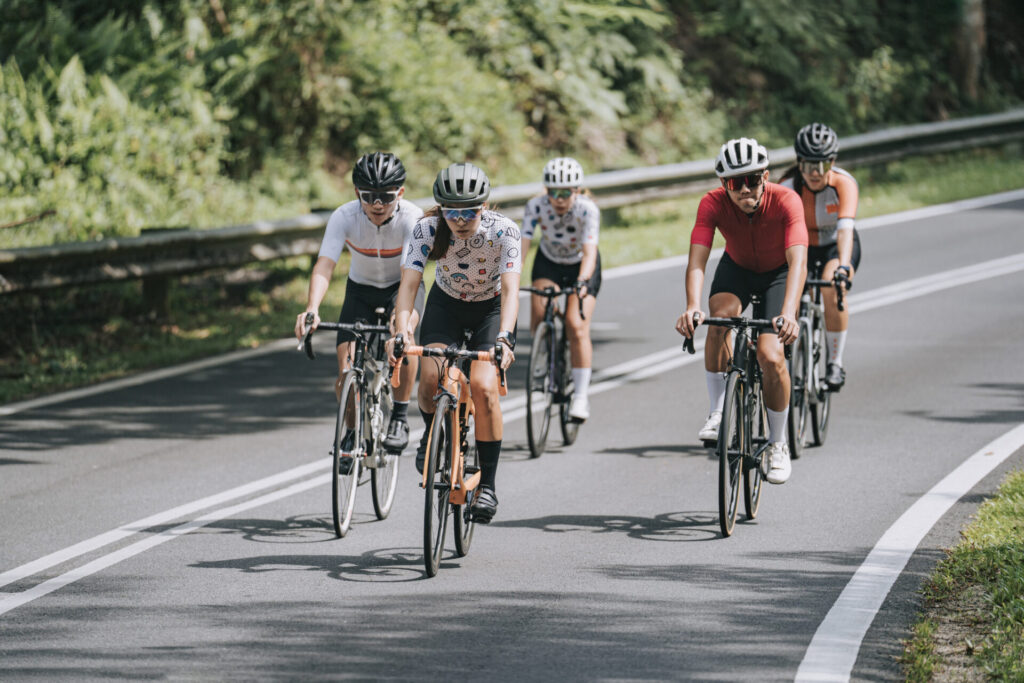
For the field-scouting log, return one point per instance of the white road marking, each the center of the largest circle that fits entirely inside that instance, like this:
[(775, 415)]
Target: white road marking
[(833, 650)]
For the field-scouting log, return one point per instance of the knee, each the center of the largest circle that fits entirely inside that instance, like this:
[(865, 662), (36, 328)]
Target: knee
[(485, 397), (772, 361)]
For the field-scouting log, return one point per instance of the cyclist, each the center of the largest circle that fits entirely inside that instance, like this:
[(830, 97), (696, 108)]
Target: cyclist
[(476, 287), (376, 227), (829, 197), (567, 257), (765, 254)]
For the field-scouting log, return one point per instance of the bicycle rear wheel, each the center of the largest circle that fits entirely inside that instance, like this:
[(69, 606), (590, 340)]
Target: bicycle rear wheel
[(343, 488), (385, 474), (731, 449), (821, 409), (570, 427), (752, 477), (799, 366), (435, 509), (539, 396), (464, 524)]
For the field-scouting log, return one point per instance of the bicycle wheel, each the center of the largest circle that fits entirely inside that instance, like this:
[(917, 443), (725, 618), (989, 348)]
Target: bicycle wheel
[(538, 390), (752, 476), (464, 524), (731, 449), (343, 488), (570, 427), (435, 510), (821, 409), (799, 364), (385, 474)]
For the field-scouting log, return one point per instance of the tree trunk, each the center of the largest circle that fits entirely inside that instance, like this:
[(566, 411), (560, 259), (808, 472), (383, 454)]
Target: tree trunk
[(970, 48)]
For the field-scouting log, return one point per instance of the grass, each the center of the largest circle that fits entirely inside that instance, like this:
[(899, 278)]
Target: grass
[(972, 627), (71, 338)]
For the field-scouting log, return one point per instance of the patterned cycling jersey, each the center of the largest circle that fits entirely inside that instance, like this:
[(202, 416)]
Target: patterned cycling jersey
[(757, 242), (376, 252), (562, 237), (831, 208), (471, 269)]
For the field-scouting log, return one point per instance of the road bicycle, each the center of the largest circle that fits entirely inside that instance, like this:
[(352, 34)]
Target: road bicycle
[(549, 375), (451, 469), (364, 412), (743, 434), (810, 397)]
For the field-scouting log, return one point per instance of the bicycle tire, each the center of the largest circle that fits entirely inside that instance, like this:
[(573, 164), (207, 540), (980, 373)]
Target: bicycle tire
[(343, 486), (798, 365), (753, 477), (821, 410), (384, 476), (464, 524), (539, 396), (570, 427), (435, 509), (731, 450)]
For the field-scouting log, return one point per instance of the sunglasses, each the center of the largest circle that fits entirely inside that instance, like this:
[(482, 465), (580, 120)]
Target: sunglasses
[(560, 192), (751, 180), (464, 214), (809, 167), (372, 196)]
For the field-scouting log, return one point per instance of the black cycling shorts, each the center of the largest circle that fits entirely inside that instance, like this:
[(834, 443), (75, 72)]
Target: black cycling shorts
[(446, 319), (770, 286), (828, 252), (564, 274), (362, 300)]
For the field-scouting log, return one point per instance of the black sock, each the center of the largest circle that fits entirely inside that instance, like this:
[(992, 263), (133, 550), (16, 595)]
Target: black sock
[(488, 452), (400, 411), (428, 421)]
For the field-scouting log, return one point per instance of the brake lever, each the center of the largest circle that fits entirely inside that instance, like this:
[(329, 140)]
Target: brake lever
[(688, 342), (307, 340)]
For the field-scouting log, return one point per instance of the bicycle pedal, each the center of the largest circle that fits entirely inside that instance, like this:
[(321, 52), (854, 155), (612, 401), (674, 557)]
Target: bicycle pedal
[(470, 469)]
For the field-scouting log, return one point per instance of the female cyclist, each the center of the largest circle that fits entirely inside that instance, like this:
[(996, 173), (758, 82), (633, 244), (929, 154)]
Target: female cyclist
[(829, 197), (567, 257), (376, 227), (476, 287)]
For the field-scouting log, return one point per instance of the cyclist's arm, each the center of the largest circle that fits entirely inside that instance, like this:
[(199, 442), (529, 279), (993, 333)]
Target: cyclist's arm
[(796, 257), (318, 283), (695, 266), (844, 240), (405, 300), (589, 262)]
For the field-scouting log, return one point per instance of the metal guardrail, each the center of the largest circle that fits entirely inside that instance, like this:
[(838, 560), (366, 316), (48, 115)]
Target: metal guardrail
[(155, 257)]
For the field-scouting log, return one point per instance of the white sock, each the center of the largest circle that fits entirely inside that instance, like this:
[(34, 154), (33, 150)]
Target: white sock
[(836, 343), (716, 389), (581, 380), (777, 425)]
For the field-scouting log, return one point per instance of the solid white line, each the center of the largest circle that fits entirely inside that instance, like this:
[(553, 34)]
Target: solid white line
[(833, 650)]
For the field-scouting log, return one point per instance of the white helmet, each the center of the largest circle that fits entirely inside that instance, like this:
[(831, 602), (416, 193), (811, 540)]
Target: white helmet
[(739, 156), (563, 172)]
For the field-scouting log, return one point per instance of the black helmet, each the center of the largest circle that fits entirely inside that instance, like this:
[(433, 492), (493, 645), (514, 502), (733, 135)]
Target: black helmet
[(816, 142), (378, 171), (461, 185)]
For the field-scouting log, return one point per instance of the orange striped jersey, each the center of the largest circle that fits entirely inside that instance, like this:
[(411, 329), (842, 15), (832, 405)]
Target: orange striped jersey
[(376, 251), (831, 208)]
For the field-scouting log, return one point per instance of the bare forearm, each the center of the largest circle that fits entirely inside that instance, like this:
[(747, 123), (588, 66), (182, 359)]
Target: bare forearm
[(319, 282), (509, 300), (589, 263), (796, 257)]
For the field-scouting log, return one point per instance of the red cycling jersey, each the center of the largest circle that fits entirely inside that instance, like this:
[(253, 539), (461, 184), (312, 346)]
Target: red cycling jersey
[(757, 242)]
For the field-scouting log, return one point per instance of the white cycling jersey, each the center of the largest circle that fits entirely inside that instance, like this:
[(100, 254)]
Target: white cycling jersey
[(471, 269), (376, 251), (562, 237)]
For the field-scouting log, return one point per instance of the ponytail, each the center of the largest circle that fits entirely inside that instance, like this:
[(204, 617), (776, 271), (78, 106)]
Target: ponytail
[(443, 236), (798, 178)]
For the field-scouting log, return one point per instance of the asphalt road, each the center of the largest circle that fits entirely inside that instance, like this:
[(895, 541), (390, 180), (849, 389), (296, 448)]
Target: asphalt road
[(605, 561)]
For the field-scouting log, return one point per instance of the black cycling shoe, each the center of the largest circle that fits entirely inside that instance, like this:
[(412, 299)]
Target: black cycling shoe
[(835, 377), (398, 436), (485, 504), (421, 456), (345, 462)]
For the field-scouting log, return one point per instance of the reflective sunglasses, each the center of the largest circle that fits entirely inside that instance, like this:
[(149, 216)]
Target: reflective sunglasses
[(465, 214), (372, 196), (809, 167), (751, 180), (560, 192)]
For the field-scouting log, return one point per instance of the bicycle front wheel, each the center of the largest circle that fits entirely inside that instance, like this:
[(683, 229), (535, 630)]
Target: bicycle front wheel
[(435, 509), (538, 390), (463, 517), (799, 367), (758, 437), (385, 475), (349, 422), (821, 409), (731, 451)]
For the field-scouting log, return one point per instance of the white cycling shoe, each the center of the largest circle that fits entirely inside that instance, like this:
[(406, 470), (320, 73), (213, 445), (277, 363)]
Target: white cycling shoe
[(779, 465), (709, 432), (579, 409)]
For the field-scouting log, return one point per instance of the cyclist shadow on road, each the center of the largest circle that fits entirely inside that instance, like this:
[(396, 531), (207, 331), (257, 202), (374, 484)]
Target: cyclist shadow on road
[(664, 451), (668, 526)]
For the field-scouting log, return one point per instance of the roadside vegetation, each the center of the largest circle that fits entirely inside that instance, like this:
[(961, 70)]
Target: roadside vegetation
[(972, 626)]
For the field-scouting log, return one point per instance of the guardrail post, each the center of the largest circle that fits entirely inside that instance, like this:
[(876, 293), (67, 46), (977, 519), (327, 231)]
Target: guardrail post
[(156, 288)]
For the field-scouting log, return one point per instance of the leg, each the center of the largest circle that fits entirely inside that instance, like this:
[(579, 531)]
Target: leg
[(771, 357), (581, 351), (398, 429), (716, 361), (345, 351), (429, 373), (836, 324), (537, 303), (483, 381)]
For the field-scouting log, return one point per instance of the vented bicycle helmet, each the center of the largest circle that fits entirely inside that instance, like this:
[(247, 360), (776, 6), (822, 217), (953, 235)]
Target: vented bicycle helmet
[(461, 185), (563, 172), (816, 142), (740, 156), (378, 171)]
